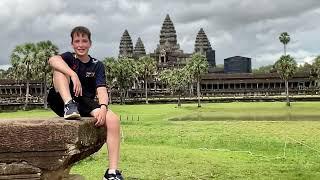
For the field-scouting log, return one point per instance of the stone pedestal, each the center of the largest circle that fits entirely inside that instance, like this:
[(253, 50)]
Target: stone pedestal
[(46, 148)]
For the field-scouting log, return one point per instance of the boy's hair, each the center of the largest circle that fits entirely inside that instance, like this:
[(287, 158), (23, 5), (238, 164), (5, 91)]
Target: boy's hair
[(80, 30)]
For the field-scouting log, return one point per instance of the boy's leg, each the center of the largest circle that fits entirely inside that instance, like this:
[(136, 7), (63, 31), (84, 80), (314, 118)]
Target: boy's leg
[(112, 127), (61, 86), (55, 102)]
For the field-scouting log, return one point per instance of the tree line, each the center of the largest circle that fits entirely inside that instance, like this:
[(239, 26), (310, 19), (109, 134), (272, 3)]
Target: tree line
[(29, 61), (124, 73), (286, 66)]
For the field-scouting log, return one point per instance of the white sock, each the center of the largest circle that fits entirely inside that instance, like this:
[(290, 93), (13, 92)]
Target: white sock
[(67, 102), (112, 171)]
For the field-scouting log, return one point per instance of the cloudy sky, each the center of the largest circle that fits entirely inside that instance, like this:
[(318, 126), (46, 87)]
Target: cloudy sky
[(234, 27)]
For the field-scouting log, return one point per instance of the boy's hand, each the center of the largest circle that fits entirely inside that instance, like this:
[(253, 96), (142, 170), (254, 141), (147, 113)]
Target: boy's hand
[(77, 88), (101, 116)]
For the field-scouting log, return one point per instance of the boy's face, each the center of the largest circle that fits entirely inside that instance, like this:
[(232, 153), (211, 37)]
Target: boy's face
[(81, 44)]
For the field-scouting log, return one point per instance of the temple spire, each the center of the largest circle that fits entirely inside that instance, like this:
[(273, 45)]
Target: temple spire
[(139, 49), (168, 32), (126, 45), (202, 42), (203, 46)]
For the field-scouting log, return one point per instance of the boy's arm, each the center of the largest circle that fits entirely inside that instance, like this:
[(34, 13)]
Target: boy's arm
[(102, 95), (102, 92), (103, 99), (58, 64)]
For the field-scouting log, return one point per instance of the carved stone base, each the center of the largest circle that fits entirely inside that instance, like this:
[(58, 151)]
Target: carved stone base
[(46, 149)]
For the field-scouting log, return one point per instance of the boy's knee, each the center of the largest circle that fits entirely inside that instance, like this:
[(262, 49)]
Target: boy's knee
[(59, 77), (113, 121)]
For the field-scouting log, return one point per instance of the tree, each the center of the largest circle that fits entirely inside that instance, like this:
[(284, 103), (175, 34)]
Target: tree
[(22, 59), (284, 39), (197, 66), (110, 71), (11, 74), (177, 80), (146, 68), (304, 68), (286, 67), (315, 70), (45, 50), (3, 74), (263, 69), (125, 74)]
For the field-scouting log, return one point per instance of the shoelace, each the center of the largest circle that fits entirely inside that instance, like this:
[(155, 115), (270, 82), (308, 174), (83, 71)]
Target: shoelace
[(69, 105), (66, 109), (114, 177)]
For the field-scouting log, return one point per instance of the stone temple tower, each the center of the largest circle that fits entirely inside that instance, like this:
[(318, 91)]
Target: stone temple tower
[(168, 53), (203, 46), (168, 36), (139, 49), (126, 45)]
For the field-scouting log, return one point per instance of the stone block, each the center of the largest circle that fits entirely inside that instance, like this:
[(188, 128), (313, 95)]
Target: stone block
[(46, 148)]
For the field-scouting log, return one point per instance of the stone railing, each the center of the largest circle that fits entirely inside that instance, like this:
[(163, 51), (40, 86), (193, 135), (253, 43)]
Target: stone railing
[(45, 149)]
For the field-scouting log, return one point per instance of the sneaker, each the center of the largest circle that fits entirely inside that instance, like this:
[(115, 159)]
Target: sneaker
[(71, 110), (116, 176)]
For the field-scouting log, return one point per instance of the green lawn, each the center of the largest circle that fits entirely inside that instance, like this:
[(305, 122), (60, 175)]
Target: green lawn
[(217, 141)]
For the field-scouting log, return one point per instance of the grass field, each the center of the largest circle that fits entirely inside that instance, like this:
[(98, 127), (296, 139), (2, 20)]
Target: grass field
[(217, 141)]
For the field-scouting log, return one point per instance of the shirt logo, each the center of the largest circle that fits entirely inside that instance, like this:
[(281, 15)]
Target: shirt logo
[(94, 60), (74, 67), (90, 74)]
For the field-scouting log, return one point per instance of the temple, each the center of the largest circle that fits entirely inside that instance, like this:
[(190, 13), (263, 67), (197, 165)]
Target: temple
[(168, 52), (235, 78)]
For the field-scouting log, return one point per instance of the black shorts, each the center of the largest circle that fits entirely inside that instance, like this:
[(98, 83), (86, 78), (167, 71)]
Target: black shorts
[(85, 104)]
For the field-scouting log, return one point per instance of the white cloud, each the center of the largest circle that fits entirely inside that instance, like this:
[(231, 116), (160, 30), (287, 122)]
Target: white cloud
[(222, 37), (301, 56), (307, 59), (21, 9), (63, 21), (5, 67), (234, 27)]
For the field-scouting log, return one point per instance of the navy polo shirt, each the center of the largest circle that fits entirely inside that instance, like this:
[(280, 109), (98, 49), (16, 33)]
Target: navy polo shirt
[(91, 74)]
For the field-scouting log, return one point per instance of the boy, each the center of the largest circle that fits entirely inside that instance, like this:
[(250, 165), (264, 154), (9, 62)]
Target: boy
[(77, 79)]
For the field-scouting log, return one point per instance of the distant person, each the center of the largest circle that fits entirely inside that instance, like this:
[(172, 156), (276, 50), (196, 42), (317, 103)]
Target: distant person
[(77, 79)]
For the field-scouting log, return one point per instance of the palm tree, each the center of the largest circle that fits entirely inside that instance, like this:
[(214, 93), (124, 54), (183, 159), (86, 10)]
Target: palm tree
[(286, 66), (45, 50), (177, 80), (146, 68), (197, 66), (22, 60), (284, 39)]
